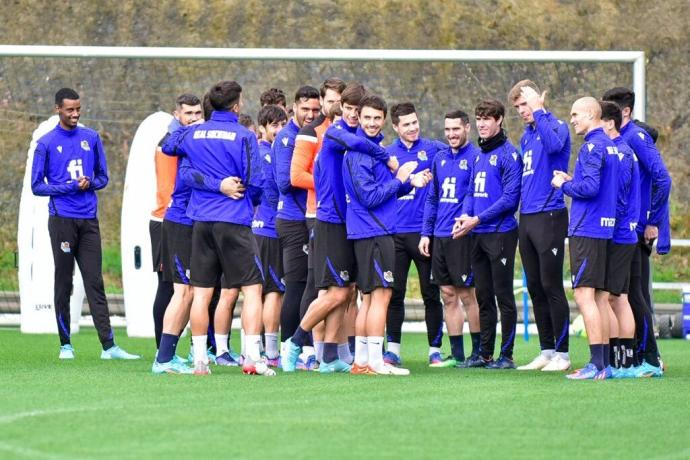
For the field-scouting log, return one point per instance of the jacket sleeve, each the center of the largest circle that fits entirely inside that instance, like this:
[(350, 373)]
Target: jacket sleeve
[(624, 179), (431, 204), (39, 187), (468, 202), (270, 188), (511, 179), (357, 143), (370, 193), (100, 169), (553, 134), (172, 144), (650, 159), (590, 179), (303, 156), (195, 179), (254, 177)]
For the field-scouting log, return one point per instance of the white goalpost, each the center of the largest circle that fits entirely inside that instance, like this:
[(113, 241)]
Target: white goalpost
[(140, 318)]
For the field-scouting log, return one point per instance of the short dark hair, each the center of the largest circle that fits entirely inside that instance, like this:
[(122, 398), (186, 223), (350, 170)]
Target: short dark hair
[(304, 93), (223, 95), (246, 120), (65, 93), (335, 84), (490, 108), (611, 111), (458, 114), (187, 99), (274, 96), (271, 113), (621, 96), (207, 107), (400, 110), (375, 102), (353, 94)]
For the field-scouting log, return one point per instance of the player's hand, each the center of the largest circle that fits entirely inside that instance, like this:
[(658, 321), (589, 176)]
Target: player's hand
[(393, 164), (420, 179), (534, 100), (651, 232), (405, 170), (232, 187), (84, 182), (467, 223), (424, 246), (559, 178)]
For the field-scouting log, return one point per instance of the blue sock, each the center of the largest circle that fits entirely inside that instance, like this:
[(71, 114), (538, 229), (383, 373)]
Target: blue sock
[(330, 352), (300, 337), (351, 343), (166, 350), (597, 355), (457, 348), (607, 355), (475, 342)]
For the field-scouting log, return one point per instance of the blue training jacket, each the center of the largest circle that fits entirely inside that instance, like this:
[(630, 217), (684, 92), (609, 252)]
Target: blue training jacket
[(60, 158), (594, 188), (493, 192), (411, 206), (545, 149), (212, 151), (655, 184), (371, 190), (447, 190), (265, 214), (628, 201), (328, 169), (179, 199), (292, 202)]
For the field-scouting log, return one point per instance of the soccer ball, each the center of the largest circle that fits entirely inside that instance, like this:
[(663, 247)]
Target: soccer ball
[(578, 327)]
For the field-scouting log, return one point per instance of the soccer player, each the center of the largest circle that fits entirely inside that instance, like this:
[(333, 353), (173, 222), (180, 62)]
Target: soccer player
[(273, 96), (222, 241), (621, 248), (411, 147), (371, 191), (69, 165), (653, 223), (247, 122), (593, 189), (545, 147), (290, 219), (187, 111), (488, 212), (307, 146), (271, 119), (334, 257), (450, 263)]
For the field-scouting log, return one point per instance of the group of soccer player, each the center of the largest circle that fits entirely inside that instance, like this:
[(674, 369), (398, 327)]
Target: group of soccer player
[(317, 223)]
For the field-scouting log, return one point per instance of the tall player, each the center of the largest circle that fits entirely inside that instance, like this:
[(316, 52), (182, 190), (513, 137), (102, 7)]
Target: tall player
[(488, 212), (653, 223), (69, 166), (411, 147), (593, 188), (545, 147), (290, 219), (450, 264)]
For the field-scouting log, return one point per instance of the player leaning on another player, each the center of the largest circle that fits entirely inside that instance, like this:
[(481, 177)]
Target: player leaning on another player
[(69, 165), (488, 212), (290, 220), (621, 248), (653, 223), (222, 240), (371, 190), (411, 147), (271, 119), (593, 188), (334, 257), (450, 263), (545, 147)]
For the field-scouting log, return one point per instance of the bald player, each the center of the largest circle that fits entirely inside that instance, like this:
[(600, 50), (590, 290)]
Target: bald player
[(593, 189)]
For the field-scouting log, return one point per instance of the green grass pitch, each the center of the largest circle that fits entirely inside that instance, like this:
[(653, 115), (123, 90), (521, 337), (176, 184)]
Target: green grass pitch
[(98, 409)]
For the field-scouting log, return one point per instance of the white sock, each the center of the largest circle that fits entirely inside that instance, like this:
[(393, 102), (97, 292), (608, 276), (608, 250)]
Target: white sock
[(271, 344), (433, 350), (361, 351), (565, 355), (318, 346), (548, 353), (242, 340), (199, 347), (394, 348), (375, 351), (344, 353), (308, 351), (221, 344), (252, 345)]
